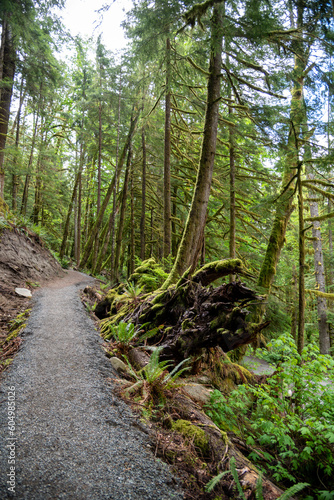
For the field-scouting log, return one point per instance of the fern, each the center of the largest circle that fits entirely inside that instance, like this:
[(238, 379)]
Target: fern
[(296, 488), (214, 481)]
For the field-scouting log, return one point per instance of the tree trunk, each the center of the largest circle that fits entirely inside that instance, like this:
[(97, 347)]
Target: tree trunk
[(15, 177), (192, 238), (24, 202), (132, 227), (167, 192), (143, 200), (301, 278), (68, 217), (122, 216), (319, 269), (7, 72), (285, 200)]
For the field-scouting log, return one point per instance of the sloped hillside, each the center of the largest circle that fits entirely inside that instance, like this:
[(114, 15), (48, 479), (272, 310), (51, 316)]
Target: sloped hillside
[(24, 262)]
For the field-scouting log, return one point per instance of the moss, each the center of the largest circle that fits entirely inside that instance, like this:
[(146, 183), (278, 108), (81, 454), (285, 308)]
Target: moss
[(3, 207), (14, 333), (222, 267), (149, 275), (192, 433), (187, 323)]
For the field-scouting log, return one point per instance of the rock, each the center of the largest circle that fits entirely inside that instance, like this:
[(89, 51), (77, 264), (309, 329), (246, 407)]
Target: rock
[(138, 358), (23, 292), (119, 365), (198, 392)]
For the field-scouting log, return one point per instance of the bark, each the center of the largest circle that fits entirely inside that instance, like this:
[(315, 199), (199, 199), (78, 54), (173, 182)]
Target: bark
[(120, 228), (192, 238), (320, 279), (7, 72), (167, 190), (15, 178), (285, 201), (68, 217), (143, 200), (117, 173), (232, 193), (24, 202), (132, 228), (223, 447), (301, 278)]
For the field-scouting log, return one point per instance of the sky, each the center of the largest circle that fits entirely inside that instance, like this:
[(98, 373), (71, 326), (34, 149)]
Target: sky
[(81, 17)]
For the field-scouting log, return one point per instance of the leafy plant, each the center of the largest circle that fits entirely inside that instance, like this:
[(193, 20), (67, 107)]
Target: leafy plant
[(291, 417), (154, 378), (123, 333)]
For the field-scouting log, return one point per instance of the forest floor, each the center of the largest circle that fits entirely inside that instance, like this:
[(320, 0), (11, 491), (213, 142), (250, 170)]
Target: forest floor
[(73, 437)]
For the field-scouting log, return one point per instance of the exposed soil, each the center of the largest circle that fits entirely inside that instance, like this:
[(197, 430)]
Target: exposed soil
[(24, 262)]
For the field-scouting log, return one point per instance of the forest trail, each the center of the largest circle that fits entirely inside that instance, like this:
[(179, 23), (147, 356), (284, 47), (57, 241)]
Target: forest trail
[(73, 438)]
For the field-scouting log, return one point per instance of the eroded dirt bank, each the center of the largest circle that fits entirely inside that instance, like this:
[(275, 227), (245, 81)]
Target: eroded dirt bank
[(73, 438)]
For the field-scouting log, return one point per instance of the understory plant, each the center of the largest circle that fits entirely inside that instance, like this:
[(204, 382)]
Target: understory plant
[(258, 489), (154, 379), (289, 420)]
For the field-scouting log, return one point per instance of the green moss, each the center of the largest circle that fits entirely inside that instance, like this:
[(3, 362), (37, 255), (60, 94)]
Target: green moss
[(192, 433), (149, 275), (15, 333), (187, 323)]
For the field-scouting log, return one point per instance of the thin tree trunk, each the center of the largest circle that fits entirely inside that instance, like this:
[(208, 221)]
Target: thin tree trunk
[(7, 72), (68, 217), (112, 253), (122, 216), (143, 200), (319, 269), (132, 226), (192, 239), (301, 279), (167, 190), (15, 178), (285, 200), (24, 202)]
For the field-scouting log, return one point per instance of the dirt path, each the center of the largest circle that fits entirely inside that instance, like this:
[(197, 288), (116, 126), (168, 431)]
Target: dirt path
[(68, 436)]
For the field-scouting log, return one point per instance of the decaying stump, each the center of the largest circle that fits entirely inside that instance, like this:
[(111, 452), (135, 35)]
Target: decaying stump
[(192, 317)]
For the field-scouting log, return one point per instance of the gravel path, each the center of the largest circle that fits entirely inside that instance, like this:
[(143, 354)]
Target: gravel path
[(73, 438)]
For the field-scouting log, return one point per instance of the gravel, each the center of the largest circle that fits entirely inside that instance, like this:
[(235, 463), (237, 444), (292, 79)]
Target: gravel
[(73, 437)]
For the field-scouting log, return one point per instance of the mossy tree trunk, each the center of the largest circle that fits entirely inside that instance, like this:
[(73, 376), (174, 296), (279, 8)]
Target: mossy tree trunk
[(7, 72), (167, 154), (286, 198), (191, 242)]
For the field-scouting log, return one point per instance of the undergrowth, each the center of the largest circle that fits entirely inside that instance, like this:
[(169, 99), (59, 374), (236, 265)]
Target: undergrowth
[(289, 420)]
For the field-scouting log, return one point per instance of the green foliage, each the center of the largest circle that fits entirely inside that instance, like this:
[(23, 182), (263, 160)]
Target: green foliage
[(258, 489), (291, 417), (154, 379), (123, 333)]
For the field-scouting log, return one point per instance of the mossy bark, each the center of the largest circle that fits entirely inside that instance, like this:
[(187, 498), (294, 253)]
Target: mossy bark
[(192, 238), (285, 200)]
